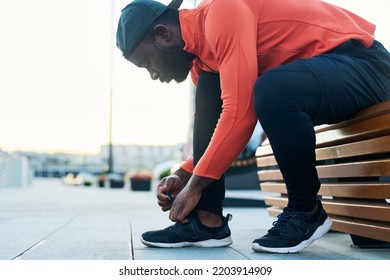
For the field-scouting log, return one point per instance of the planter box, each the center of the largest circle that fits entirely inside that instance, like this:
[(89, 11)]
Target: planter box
[(115, 184), (140, 185)]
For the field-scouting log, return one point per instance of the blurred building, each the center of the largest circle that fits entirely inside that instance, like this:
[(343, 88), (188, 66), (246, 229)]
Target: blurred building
[(15, 170), (57, 165), (126, 158), (141, 157)]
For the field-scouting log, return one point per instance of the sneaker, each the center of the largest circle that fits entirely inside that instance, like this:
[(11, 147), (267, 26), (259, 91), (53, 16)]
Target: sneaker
[(189, 234), (293, 231)]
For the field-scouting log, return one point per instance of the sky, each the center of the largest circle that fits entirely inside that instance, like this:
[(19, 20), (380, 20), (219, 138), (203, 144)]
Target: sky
[(59, 66)]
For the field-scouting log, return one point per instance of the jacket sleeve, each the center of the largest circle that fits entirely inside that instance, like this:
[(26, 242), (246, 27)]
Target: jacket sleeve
[(231, 30)]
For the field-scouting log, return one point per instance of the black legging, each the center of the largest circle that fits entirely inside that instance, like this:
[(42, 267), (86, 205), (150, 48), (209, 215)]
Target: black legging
[(208, 107), (289, 101)]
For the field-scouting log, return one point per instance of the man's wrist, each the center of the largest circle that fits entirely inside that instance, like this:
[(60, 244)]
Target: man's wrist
[(183, 175), (198, 183)]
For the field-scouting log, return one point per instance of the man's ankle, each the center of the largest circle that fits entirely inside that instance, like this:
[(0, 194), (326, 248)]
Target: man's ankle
[(313, 211), (209, 219)]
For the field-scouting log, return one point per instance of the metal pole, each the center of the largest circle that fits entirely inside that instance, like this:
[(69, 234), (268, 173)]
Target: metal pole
[(110, 148), (110, 154)]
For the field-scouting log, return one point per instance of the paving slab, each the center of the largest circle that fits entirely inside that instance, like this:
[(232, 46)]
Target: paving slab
[(25, 232), (104, 236)]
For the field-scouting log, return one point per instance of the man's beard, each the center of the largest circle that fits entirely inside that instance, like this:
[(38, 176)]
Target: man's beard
[(177, 62)]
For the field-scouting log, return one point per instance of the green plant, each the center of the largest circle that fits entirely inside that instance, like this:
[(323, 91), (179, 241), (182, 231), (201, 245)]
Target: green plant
[(165, 173)]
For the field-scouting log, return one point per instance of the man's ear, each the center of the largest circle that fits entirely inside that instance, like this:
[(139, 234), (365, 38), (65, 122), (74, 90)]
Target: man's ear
[(162, 32)]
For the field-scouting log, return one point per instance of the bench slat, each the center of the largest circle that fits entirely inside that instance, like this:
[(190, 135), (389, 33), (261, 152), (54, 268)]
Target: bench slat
[(369, 229), (377, 126), (373, 111), (356, 169), (376, 190), (366, 147), (378, 211), (372, 168), (264, 150)]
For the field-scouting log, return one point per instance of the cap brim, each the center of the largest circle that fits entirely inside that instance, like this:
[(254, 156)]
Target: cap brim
[(175, 4)]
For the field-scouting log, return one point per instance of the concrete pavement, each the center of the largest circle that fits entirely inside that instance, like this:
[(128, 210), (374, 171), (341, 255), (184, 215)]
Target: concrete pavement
[(53, 221)]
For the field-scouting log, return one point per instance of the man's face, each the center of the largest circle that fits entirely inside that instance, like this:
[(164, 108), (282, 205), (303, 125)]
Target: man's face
[(165, 63)]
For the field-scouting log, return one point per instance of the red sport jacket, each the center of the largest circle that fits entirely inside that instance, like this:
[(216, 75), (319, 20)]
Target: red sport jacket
[(240, 40)]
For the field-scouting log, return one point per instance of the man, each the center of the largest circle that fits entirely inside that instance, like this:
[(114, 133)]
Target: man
[(289, 64)]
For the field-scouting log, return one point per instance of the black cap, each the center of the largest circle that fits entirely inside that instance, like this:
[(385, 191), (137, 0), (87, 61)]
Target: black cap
[(136, 20)]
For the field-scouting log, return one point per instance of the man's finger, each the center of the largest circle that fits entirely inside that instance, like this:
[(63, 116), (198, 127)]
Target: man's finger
[(166, 208), (182, 217), (170, 196)]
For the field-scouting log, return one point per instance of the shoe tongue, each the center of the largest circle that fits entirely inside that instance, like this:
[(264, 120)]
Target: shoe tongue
[(288, 210), (287, 217), (292, 212)]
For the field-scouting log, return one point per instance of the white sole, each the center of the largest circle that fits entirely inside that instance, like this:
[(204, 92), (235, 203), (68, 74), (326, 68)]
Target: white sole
[(210, 243), (320, 231)]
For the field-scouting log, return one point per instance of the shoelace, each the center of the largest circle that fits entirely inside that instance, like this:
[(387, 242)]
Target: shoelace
[(284, 218)]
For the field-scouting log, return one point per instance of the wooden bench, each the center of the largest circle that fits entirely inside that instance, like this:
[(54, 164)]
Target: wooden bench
[(353, 163)]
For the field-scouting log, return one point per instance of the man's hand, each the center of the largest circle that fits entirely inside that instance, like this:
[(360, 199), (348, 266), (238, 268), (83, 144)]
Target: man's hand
[(188, 198), (172, 184)]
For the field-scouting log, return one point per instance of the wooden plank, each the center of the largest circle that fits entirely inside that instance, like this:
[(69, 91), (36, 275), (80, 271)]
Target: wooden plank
[(269, 175), (263, 150), (273, 187), (370, 210), (372, 190), (274, 211), (373, 111), (366, 129), (275, 201), (266, 161), (370, 229), (372, 168), (366, 147)]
